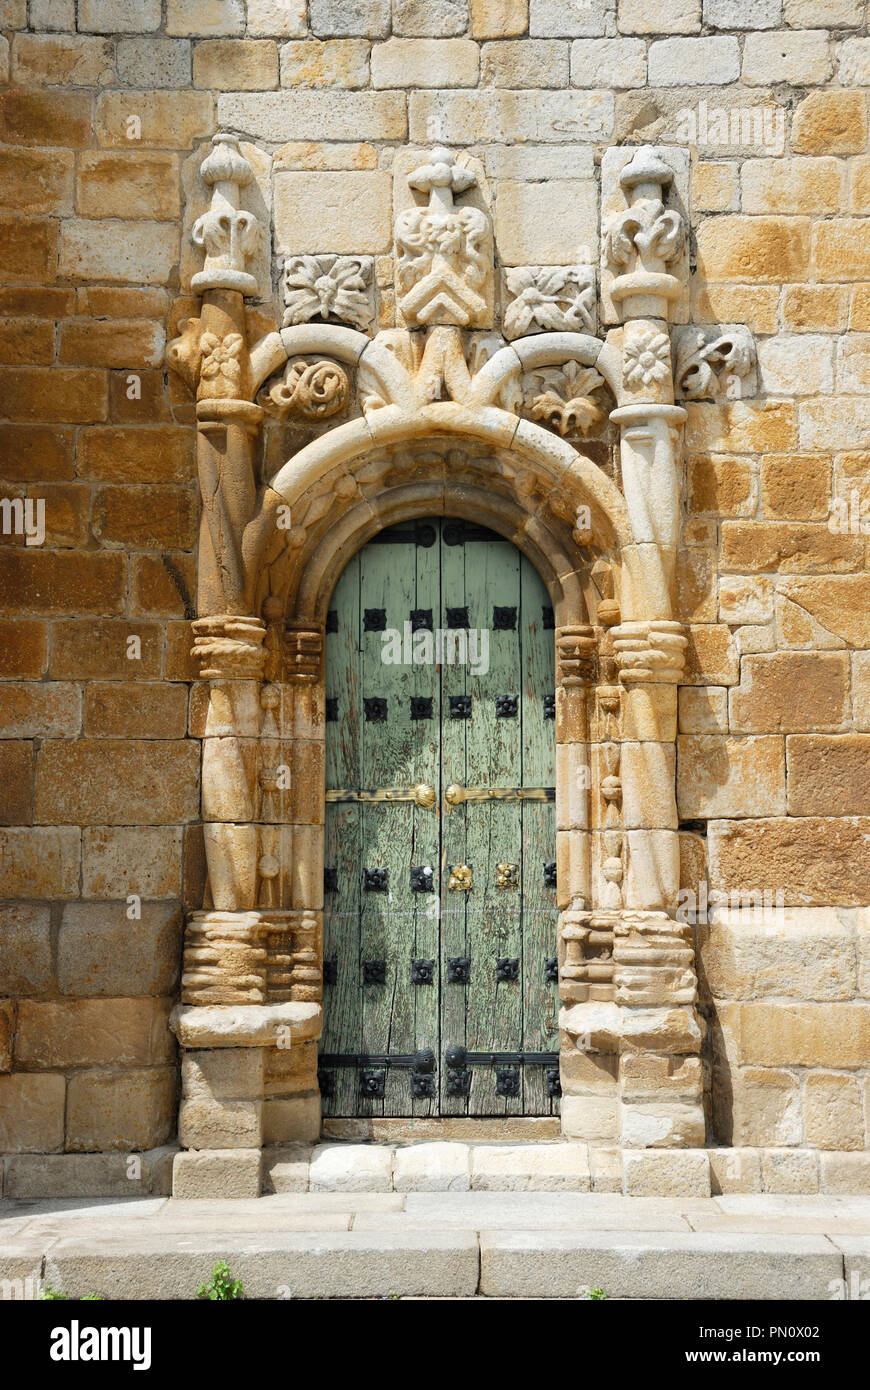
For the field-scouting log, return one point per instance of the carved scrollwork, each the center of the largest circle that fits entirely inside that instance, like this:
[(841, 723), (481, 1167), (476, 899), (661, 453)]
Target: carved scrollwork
[(716, 363), (333, 288), (557, 298), (316, 390)]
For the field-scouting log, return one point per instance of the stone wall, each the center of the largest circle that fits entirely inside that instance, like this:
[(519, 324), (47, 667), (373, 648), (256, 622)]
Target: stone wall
[(108, 108)]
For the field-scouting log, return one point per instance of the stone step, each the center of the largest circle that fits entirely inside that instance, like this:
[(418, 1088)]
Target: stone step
[(415, 1262), (667, 1265), (278, 1265)]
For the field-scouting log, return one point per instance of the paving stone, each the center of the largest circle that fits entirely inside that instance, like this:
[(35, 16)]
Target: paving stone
[(698, 1266), (273, 1265)]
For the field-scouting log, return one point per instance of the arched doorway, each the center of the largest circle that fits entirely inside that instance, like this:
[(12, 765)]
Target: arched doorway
[(440, 915)]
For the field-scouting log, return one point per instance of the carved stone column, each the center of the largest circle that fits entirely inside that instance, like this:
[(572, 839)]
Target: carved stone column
[(649, 1018), (250, 981)]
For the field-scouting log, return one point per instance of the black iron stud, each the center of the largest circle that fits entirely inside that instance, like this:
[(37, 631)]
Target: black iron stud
[(422, 879), (375, 707), (421, 706), (374, 620), (506, 706), (331, 709), (330, 880), (332, 620), (422, 1087), (552, 1082), (372, 1082), (457, 617), (460, 706), (551, 970), (374, 972), (330, 972), (504, 619), (548, 617), (507, 1081), (421, 619), (422, 972), (549, 707), (550, 874), (507, 968), (375, 880), (459, 970), (326, 1082)]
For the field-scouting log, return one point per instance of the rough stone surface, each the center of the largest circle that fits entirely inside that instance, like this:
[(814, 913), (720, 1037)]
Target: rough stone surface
[(351, 1168), (527, 1264), (544, 1168), (432, 1168)]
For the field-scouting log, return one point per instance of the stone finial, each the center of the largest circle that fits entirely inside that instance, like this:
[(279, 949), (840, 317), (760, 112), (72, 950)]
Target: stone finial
[(441, 178), (646, 168), (444, 259), (643, 238), (227, 233)]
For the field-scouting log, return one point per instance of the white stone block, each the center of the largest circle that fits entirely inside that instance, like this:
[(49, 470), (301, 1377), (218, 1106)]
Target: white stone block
[(283, 19), (693, 62), (311, 211), (610, 62), (743, 14), (666, 1173), (351, 1168), (438, 1167), (553, 223), (799, 364), (801, 58)]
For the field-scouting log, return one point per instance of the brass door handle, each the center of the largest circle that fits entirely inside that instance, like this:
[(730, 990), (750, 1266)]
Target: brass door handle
[(455, 795), (422, 794)]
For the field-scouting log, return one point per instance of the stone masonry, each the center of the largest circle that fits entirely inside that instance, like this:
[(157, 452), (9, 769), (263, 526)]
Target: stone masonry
[(683, 187)]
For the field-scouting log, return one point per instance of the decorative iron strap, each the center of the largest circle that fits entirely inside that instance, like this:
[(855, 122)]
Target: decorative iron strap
[(455, 795), (459, 1057), (421, 795), (420, 1061)]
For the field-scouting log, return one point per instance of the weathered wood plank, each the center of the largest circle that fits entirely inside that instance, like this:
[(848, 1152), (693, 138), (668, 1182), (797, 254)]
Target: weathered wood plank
[(492, 750)]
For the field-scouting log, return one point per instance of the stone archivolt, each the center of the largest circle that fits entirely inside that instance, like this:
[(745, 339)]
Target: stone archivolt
[(443, 414)]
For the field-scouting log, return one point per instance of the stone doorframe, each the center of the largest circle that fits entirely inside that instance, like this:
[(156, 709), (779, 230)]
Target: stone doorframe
[(441, 427)]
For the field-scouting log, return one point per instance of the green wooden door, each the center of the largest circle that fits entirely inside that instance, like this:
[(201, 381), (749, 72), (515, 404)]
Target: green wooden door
[(440, 999)]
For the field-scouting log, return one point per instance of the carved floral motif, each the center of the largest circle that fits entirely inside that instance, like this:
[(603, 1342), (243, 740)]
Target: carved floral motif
[(647, 359), (336, 288), (565, 402), (555, 298), (221, 366)]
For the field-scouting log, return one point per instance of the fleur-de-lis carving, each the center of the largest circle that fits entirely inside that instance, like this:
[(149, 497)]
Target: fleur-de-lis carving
[(647, 230)]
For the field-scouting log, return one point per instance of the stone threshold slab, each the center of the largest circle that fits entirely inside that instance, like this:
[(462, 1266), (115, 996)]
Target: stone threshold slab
[(424, 1263)]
